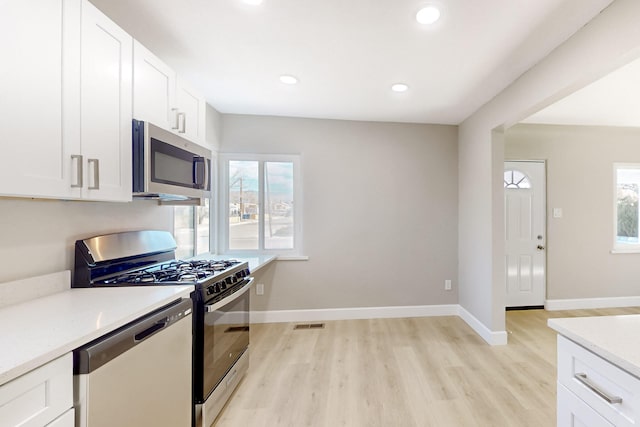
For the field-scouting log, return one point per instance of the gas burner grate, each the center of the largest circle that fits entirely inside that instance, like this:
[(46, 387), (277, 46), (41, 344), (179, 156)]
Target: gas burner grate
[(174, 271)]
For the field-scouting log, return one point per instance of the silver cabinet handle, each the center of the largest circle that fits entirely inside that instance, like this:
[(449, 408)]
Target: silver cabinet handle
[(96, 174), (183, 122), (176, 123), (79, 161), (582, 378)]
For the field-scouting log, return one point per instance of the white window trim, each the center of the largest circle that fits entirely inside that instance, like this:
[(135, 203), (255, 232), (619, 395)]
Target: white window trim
[(223, 201), (618, 248), (194, 218)]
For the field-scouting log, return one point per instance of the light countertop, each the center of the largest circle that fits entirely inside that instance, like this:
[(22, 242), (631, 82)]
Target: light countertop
[(614, 338), (35, 332), (256, 262)]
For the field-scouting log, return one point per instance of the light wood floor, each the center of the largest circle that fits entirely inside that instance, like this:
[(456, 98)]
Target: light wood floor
[(419, 372)]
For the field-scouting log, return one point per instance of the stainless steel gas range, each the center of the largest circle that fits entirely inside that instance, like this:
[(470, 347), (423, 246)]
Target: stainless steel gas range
[(220, 304)]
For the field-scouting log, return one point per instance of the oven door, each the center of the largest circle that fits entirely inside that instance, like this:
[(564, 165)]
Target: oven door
[(226, 335)]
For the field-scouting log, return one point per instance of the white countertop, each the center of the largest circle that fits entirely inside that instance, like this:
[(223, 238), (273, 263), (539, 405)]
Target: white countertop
[(614, 338), (34, 332), (256, 262)]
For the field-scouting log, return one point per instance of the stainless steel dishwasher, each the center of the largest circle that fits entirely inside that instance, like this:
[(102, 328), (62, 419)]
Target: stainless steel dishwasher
[(138, 375)]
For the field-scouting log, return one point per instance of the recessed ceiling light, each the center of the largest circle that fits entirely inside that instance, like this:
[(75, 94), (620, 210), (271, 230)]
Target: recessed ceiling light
[(399, 87), (288, 80), (253, 2), (428, 15)]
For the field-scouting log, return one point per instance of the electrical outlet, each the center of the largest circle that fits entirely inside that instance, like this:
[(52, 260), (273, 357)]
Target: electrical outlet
[(447, 285), (260, 289)]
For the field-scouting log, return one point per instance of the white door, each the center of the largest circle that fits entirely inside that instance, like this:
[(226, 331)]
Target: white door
[(524, 214)]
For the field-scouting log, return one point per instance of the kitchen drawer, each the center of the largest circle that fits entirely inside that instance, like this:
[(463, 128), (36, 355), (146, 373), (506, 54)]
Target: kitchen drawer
[(38, 397), (574, 361), (573, 412)]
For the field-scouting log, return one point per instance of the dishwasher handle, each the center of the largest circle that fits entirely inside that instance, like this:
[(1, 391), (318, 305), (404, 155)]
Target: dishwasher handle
[(141, 336), (97, 353)]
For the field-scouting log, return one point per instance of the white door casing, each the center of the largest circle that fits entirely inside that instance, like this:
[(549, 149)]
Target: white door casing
[(525, 231)]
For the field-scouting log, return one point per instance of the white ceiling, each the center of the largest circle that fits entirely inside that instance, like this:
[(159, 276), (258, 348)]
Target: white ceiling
[(347, 53), (613, 100)]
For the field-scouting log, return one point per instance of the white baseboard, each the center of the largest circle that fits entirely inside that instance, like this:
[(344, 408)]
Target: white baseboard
[(279, 316), (276, 316), (585, 303), (491, 337)]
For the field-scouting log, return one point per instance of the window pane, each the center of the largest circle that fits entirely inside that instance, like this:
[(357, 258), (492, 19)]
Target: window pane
[(203, 227), (243, 205), (628, 186), (183, 231), (516, 179), (278, 194)]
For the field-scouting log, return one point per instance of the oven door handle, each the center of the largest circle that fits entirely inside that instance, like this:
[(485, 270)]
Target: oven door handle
[(234, 296)]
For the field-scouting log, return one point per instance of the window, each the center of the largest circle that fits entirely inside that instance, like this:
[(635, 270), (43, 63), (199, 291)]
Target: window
[(516, 179), (191, 230), (263, 204), (627, 185)]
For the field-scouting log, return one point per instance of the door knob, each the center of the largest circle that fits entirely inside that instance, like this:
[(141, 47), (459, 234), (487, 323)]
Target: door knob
[(540, 247)]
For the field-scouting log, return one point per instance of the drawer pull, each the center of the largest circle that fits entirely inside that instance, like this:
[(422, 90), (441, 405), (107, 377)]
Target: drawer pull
[(593, 387)]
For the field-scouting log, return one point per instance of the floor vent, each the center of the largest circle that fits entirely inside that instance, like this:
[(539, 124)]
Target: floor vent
[(237, 329), (309, 326)]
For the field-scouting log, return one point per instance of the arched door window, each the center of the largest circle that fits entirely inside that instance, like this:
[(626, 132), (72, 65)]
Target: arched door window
[(516, 179)]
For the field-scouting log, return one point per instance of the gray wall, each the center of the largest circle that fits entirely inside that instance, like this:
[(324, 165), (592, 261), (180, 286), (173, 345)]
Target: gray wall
[(37, 236), (610, 40), (580, 181), (380, 211)]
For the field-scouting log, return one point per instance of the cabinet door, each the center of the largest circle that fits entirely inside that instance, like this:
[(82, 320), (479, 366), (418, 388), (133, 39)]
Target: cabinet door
[(106, 106), (36, 150), (154, 85), (192, 112), (574, 412), (66, 420), (39, 396)]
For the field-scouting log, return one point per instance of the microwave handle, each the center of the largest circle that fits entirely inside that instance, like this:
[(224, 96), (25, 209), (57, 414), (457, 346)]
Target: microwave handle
[(199, 172)]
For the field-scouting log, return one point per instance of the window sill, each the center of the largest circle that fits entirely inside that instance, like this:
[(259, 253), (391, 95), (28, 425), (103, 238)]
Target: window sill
[(292, 258), (625, 251)]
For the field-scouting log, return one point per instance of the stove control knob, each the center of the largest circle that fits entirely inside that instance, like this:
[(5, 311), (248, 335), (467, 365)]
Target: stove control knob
[(210, 290), (221, 285)]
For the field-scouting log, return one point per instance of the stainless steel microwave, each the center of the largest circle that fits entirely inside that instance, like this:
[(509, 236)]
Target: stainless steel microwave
[(167, 166)]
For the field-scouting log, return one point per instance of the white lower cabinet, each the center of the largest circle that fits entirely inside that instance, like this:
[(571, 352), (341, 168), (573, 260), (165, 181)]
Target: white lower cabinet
[(575, 412), (68, 419), (42, 397), (592, 391)]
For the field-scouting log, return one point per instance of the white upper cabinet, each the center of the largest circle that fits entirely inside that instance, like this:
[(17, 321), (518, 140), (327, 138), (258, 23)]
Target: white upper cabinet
[(65, 101), (154, 89), (36, 147), (106, 103), (192, 110), (164, 99)]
